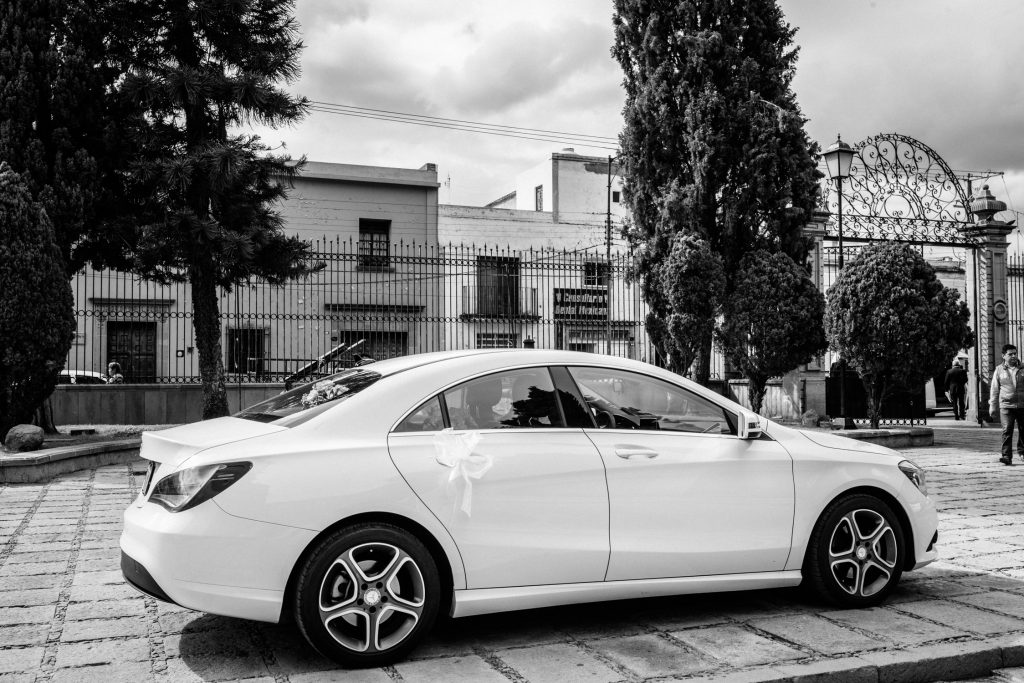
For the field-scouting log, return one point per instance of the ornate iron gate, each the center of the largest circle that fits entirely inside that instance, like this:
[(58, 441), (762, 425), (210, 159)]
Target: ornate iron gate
[(901, 190)]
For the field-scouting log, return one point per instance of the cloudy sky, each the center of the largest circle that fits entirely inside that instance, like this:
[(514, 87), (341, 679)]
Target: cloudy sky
[(947, 72)]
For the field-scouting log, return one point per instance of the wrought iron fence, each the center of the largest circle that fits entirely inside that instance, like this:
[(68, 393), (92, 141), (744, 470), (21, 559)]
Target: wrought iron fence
[(1014, 301), (406, 299)]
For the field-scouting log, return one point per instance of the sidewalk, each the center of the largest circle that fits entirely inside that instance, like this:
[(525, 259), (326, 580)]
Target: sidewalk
[(66, 615)]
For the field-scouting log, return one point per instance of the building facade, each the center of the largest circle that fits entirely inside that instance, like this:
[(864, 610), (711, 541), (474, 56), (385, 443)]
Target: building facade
[(354, 216), (551, 266)]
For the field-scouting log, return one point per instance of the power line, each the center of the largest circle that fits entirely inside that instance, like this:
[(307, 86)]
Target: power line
[(469, 128), (599, 138)]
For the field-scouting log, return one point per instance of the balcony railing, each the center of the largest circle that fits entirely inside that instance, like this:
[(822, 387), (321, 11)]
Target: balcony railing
[(499, 301)]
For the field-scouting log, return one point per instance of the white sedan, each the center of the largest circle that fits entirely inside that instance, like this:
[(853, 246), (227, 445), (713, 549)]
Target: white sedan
[(366, 504)]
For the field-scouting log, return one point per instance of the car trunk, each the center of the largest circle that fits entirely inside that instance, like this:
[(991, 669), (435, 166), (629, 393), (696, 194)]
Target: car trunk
[(174, 446)]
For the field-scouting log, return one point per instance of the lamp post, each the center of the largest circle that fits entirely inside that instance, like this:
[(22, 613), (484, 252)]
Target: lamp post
[(838, 160)]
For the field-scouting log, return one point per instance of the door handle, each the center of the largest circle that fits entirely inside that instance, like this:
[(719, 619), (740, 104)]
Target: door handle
[(630, 452)]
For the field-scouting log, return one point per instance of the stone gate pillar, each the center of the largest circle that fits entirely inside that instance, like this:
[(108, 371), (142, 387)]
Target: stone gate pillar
[(809, 380), (815, 231), (987, 292)]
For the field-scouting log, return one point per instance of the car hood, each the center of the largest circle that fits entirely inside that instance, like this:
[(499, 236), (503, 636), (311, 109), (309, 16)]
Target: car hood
[(827, 440), (176, 445)]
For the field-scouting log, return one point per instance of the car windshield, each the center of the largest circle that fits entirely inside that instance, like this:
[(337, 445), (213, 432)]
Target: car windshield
[(311, 398)]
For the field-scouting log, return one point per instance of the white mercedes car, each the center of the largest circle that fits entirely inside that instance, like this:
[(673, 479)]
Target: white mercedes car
[(365, 504)]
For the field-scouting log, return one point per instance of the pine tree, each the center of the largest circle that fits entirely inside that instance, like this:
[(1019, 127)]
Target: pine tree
[(713, 143), (207, 192), (37, 323)]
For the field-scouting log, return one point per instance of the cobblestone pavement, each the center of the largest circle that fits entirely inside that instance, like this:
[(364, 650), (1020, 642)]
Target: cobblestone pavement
[(66, 615)]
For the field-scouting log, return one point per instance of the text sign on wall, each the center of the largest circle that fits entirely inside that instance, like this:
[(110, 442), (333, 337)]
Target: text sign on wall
[(581, 304)]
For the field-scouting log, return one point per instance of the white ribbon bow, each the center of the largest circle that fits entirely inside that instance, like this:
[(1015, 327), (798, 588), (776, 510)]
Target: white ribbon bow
[(456, 451)]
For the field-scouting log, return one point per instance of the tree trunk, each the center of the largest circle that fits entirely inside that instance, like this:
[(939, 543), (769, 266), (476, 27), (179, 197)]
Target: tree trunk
[(206, 319), (756, 389), (44, 418), (875, 391), (702, 373)]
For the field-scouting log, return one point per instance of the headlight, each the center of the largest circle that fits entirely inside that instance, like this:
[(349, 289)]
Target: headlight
[(187, 488), (914, 474)]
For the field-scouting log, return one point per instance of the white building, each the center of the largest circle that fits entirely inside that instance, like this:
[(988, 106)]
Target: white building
[(546, 263), (565, 202)]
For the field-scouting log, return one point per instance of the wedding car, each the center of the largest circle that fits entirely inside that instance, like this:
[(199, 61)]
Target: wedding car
[(365, 504)]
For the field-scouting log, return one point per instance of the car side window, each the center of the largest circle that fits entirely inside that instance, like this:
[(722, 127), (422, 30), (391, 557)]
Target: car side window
[(626, 400), (506, 400), (429, 417)]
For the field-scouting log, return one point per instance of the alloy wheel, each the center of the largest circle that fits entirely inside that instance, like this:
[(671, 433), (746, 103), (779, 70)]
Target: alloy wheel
[(371, 597), (863, 552)]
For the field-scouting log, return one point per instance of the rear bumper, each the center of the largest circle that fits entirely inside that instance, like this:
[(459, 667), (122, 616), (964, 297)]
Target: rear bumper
[(140, 579), (207, 560)]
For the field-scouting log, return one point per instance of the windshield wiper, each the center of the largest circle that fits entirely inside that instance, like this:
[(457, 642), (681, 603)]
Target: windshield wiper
[(260, 417)]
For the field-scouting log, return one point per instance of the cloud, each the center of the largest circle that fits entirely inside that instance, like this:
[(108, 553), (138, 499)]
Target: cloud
[(319, 19), (521, 62), (945, 72)]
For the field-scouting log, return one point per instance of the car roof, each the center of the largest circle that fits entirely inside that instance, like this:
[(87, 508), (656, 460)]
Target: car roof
[(390, 366), (500, 357), (506, 358)]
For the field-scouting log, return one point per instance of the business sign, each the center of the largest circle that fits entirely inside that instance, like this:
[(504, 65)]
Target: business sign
[(581, 304)]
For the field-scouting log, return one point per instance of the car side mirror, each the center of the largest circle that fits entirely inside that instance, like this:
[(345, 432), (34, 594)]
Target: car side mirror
[(750, 426)]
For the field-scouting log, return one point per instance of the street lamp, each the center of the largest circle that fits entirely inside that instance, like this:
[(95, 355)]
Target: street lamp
[(838, 160)]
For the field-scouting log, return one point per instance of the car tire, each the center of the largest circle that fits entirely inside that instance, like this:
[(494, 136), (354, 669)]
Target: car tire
[(367, 595), (855, 556)]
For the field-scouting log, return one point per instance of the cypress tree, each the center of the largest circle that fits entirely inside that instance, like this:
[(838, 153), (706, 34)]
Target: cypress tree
[(36, 320), (713, 142), (772, 320), (891, 317)]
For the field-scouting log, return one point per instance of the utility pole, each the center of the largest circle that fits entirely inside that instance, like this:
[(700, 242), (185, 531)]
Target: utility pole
[(608, 260)]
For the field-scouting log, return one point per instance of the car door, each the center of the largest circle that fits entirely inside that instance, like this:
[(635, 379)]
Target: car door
[(687, 496), (522, 493)]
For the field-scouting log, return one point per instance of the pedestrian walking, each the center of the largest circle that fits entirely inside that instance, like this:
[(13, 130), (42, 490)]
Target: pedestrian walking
[(956, 387), (1007, 394), (114, 375)]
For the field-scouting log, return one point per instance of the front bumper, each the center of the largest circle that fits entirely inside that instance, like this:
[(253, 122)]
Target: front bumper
[(924, 519), (207, 560)]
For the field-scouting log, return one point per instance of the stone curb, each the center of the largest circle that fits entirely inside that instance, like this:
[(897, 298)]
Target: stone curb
[(892, 438), (941, 662), (35, 466)]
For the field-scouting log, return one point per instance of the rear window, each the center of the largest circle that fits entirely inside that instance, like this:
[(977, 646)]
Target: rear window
[(309, 400)]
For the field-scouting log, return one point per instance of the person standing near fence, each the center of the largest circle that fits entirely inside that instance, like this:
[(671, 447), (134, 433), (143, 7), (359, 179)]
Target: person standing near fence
[(1007, 394), (956, 387), (114, 375)]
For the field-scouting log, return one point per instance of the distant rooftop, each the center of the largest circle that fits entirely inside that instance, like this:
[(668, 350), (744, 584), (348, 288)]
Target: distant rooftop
[(501, 200), (424, 176)]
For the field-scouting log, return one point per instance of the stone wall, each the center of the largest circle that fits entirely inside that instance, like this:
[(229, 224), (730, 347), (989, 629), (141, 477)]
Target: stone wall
[(148, 404)]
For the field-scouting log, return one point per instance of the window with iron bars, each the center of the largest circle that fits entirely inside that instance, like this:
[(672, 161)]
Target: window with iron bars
[(497, 340), (595, 274), (374, 244)]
